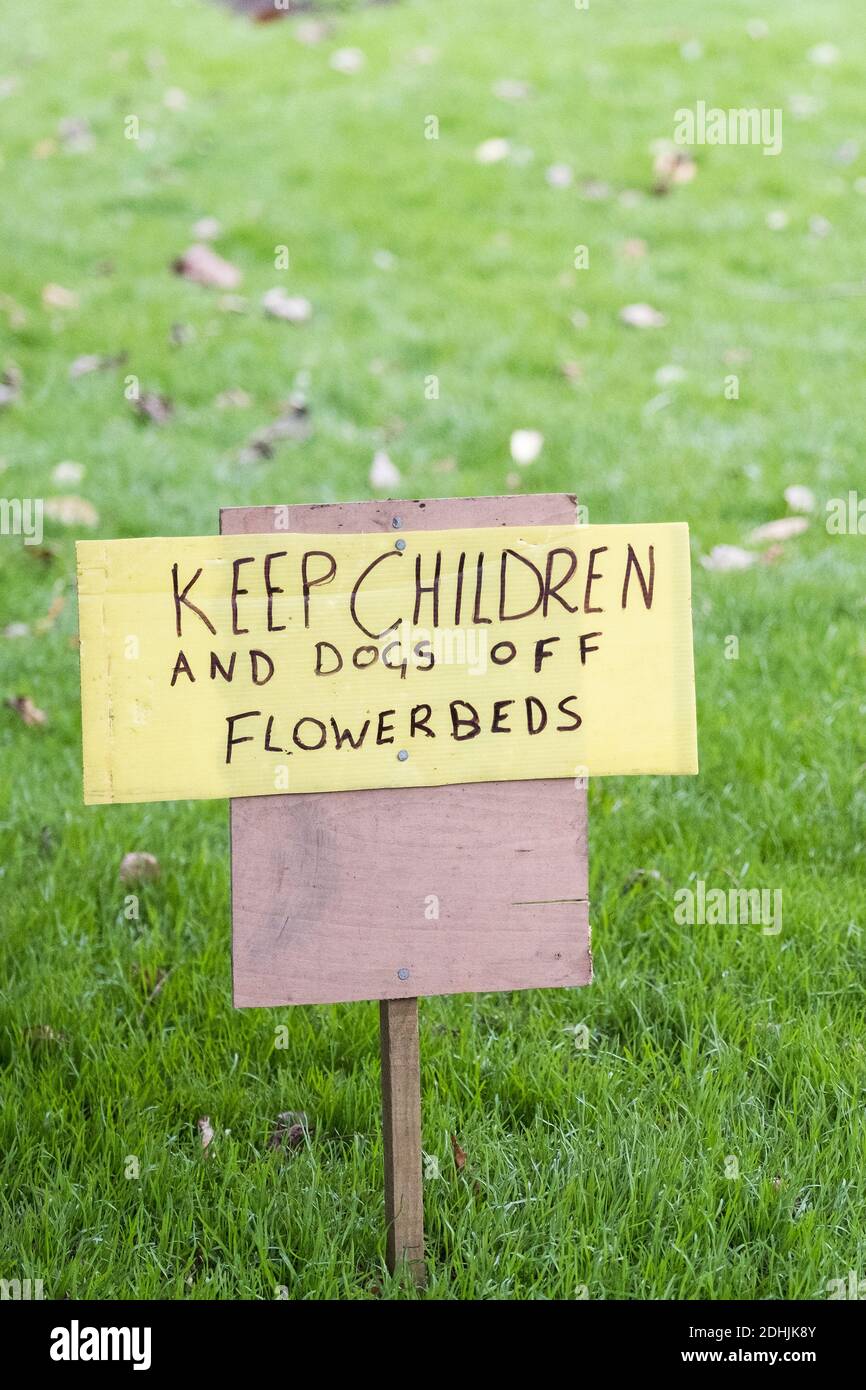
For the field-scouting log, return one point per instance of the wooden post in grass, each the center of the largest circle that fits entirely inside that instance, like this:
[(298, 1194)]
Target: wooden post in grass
[(400, 826), (401, 1136)]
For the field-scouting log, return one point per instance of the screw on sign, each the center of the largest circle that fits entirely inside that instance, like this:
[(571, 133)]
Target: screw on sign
[(396, 751)]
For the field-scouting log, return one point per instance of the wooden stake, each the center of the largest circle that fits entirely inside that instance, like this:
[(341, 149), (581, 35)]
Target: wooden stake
[(401, 1128)]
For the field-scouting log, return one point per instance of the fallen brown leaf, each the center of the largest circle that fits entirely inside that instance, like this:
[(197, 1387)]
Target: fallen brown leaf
[(800, 498), (278, 304), (11, 381), (672, 166), (28, 713), (781, 530), (205, 1129), (642, 316), (459, 1155), (16, 316), (43, 1033), (46, 554), (67, 473), (728, 557), (291, 1131), (138, 867), (236, 398), (56, 607), (206, 229), (293, 424), (75, 134), (153, 406), (202, 265), (634, 249), (71, 511), (57, 297)]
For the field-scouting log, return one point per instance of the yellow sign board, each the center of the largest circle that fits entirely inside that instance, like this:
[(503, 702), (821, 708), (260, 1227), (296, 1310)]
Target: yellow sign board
[(263, 665)]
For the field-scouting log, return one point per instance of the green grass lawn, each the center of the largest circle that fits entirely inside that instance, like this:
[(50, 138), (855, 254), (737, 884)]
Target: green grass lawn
[(598, 1172)]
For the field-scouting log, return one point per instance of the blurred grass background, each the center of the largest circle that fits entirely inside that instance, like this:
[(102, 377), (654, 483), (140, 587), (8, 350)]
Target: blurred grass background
[(597, 1172)]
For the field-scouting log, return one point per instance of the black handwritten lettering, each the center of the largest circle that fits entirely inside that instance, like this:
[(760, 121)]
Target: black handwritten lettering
[(647, 588), (457, 721), (307, 583), (182, 668), (231, 741), (591, 575), (353, 605), (271, 589), (181, 598), (569, 714)]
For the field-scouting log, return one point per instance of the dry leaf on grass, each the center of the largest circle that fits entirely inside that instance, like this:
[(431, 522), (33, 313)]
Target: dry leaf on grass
[(347, 60), (236, 398), (560, 175), (642, 316), (728, 557), (71, 511), (67, 473), (56, 607), (291, 1131), (512, 89), (823, 55), (634, 249), (27, 712), (154, 407), (312, 31), (138, 867), (152, 978), (293, 424), (383, 472), (459, 1155), (493, 151), (526, 445), (670, 374), (782, 530), (11, 382), (90, 362), (13, 310), (57, 297), (595, 190), (75, 134), (43, 1035), (203, 266), (180, 334), (205, 1129), (278, 304), (800, 498), (672, 166), (206, 229)]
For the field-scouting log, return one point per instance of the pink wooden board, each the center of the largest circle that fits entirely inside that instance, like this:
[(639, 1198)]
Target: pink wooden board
[(334, 893)]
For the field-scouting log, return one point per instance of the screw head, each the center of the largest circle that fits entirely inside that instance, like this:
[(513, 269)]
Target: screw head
[(400, 545), (402, 755), (396, 522), (402, 973)]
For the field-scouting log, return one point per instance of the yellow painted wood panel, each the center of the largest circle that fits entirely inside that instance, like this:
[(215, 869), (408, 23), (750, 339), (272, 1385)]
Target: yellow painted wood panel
[(350, 649)]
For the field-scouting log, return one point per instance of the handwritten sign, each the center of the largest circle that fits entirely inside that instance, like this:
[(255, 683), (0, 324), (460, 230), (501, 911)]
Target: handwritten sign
[(261, 665)]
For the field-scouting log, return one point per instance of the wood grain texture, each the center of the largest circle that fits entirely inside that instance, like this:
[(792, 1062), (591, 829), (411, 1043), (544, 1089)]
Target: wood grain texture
[(401, 1136), (335, 895)]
